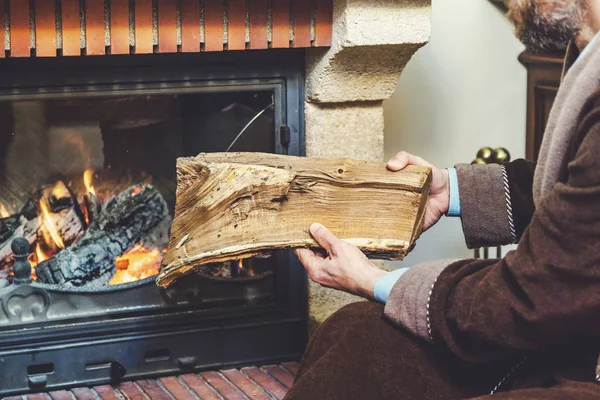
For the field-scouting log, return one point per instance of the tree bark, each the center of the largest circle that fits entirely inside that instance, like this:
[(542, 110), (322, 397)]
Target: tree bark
[(239, 205)]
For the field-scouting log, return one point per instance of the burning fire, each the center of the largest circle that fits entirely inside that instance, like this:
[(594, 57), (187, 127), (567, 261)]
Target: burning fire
[(87, 181), (3, 211), (37, 257), (60, 191), (136, 191), (138, 263), (40, 255), (49, 226), (241, 268)]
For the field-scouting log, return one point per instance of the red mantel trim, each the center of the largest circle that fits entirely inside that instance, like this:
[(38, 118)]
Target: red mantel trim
[(167, 26), (20, 35), (61, 27), (94, 28), (259, 21), (71, 28), (281, 24), (236, 25), (190, 26), (45, 33), (119, 26), (144, 34)]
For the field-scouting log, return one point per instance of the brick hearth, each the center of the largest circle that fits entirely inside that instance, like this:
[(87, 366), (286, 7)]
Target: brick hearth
[(261, 383)]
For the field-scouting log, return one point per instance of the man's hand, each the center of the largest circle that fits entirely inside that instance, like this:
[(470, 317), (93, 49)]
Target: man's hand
[(344, 267), (439, 198)]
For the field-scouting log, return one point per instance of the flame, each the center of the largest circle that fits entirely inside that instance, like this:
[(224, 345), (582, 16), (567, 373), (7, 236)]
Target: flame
[(87, 181), (39, 254), (3, 211), (49, 225), (60, 191), (137, 263), (240, 268), (37, 257), (136, 191)]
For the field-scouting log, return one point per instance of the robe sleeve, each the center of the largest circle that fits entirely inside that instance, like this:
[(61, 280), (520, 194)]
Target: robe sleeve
[(496, 202), (543, 294)]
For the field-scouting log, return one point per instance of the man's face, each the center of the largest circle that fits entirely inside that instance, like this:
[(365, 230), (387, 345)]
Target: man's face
[(547, 25)]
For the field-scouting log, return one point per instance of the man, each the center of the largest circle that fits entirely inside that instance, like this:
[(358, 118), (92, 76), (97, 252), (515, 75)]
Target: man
[(523, 327)]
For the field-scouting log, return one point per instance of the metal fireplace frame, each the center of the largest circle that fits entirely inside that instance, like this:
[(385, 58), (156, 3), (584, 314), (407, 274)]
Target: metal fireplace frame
[(168, 335)]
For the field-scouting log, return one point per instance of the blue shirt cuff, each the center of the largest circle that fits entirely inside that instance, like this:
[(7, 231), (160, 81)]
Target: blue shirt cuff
[(454, 206), (383, 287)]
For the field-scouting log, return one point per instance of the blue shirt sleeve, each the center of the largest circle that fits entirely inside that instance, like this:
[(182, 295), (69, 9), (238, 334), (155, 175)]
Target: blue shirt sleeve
[(383, 287), (454, 206)]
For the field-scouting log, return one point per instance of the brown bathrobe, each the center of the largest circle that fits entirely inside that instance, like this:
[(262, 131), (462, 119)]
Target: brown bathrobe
[(523, 327)]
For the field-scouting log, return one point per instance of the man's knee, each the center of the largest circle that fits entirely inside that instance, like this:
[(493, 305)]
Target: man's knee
[(354, 315)]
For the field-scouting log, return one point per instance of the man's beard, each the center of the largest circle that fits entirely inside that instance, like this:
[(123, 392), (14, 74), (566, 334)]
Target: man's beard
[(547, 25)]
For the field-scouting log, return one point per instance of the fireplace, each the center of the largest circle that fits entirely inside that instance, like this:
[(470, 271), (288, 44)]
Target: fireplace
[(157, 66), (87, 183)]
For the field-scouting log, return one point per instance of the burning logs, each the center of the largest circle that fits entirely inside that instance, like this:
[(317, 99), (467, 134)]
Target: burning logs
[(130, 218), (239, 205), (50, 220)]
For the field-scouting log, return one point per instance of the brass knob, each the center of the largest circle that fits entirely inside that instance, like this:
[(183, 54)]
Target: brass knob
[(501, 155), (485, 153)]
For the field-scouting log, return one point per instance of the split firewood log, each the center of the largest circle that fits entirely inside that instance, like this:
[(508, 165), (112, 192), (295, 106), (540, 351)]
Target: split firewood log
[(239, 205)]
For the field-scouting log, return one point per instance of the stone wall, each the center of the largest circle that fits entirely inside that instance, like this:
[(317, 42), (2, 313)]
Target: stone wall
[(345, 88)]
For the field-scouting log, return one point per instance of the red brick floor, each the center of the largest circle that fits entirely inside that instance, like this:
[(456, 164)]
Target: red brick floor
[(261, 383)]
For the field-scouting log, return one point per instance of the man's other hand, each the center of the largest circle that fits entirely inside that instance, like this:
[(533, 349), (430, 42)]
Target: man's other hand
[(439, 198), (344, 267)]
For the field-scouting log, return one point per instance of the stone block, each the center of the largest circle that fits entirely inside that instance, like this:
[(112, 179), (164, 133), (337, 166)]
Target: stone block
[(349, 130), (372, 42)]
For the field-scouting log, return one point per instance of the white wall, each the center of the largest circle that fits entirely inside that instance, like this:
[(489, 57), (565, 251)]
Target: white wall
[(462, 91)]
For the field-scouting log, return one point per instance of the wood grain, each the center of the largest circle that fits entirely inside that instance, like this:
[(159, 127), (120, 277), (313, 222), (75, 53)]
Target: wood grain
[(167, 26), (119, 27), (238, 205), (144, 41), (71, 28), (324, 22), (259, 21), (213, 25), (302, 10), (45, 29), (236, 29), (19, 28), (281, 24), (94, 28), (190, 26)]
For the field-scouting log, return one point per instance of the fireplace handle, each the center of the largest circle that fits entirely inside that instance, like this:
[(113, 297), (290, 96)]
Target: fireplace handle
[(37, 381)]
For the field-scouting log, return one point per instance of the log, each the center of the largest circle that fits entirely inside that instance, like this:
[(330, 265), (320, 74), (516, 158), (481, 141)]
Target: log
[(64, 214), (125, 220), (239, 205)]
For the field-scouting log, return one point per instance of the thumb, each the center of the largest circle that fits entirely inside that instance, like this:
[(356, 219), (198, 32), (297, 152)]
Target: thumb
[(323, 236)]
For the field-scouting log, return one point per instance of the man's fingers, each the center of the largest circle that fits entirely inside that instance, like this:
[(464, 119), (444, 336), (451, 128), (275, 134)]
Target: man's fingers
[(402, 159), (306, 256), (311, 261), (323, 236)]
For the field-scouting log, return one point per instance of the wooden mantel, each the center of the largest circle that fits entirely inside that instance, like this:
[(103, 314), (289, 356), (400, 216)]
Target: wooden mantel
[(50, 28)]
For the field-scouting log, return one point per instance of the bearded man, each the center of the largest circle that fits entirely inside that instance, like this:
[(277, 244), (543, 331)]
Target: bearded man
[(523, 327)]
